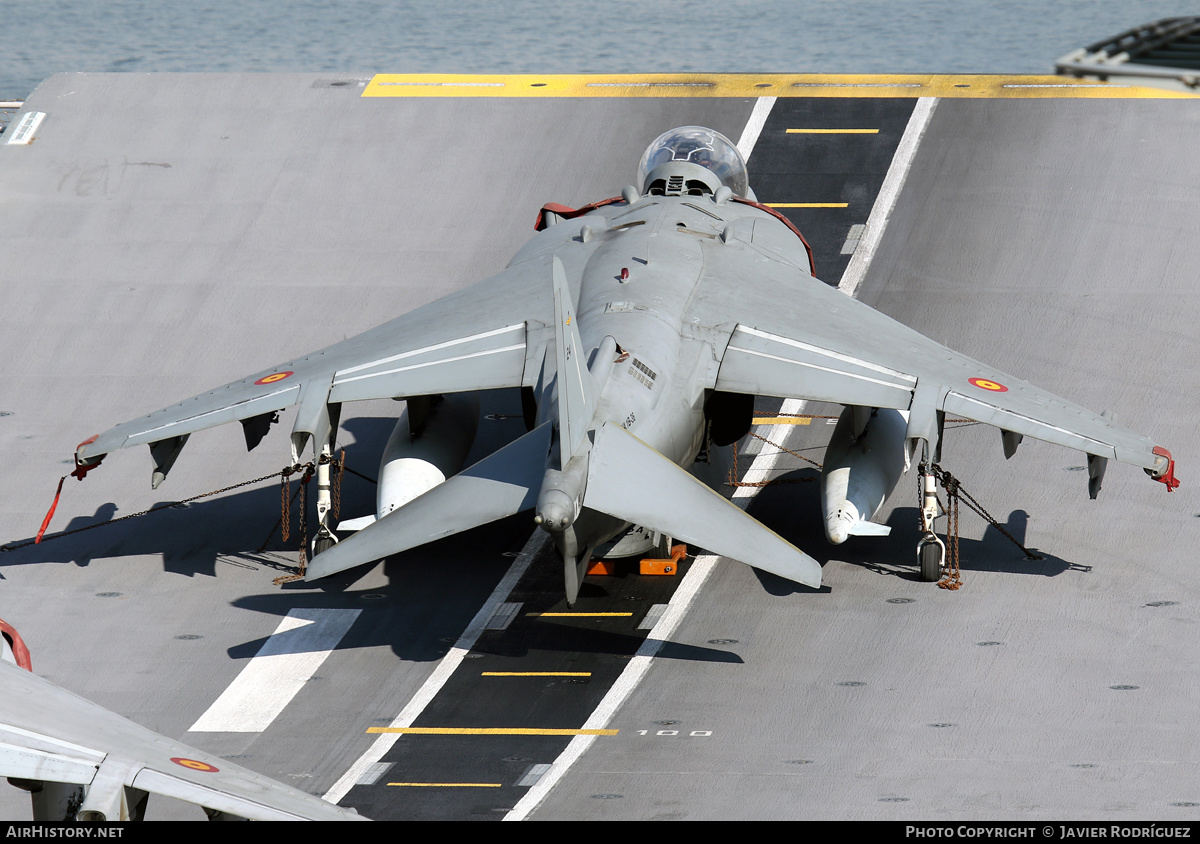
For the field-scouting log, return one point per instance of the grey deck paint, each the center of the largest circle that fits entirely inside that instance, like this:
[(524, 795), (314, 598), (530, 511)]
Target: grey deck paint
[(1052, 238)]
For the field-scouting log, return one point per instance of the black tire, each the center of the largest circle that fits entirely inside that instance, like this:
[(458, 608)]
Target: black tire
[(931, 562), (322, 544), (663, 549)]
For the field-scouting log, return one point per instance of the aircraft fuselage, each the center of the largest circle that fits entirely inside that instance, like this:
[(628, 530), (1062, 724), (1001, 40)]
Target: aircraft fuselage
[(633, 270)]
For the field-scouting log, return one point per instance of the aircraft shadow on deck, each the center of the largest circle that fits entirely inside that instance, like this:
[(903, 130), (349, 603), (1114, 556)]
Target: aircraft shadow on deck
[(240, 529), (793, 510)]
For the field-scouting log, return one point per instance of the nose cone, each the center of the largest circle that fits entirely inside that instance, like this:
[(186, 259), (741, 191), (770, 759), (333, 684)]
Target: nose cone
[(839, 521), (555, 511)]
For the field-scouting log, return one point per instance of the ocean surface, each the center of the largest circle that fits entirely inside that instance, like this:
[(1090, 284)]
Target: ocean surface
[(42, 37)]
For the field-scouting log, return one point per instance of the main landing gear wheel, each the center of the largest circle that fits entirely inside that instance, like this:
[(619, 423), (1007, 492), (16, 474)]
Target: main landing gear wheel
[(931, 553)]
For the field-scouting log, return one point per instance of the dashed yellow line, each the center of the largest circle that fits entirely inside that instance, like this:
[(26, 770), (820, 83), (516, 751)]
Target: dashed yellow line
[(806, 204), (578, 614), (536, 674), (489, 731), (832, 132), (751, 85), (448, 784)]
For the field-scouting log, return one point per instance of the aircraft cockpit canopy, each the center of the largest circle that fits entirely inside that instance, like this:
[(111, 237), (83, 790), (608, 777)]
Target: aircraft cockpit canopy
[(692, 160)]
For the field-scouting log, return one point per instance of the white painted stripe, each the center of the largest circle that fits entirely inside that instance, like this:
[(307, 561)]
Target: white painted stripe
[(97, 755), (27, 127), (533, 774), (842, 372), (688, 588), (285, 662), (1027, 419), (754, 126), (852, 238), (629, 678), (444, 669), (293, 388), (438, 362), (865, 364), (634, 671), (435, 347), (881, 211)]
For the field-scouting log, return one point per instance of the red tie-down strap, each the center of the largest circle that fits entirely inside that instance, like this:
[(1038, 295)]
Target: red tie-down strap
[(1167, 477), (570, 213), (81, 470), (20, 651), (812, 265)]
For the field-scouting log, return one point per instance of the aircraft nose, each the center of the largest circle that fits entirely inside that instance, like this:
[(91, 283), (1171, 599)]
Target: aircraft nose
[(555, 511), (838, 523), (836, 533)]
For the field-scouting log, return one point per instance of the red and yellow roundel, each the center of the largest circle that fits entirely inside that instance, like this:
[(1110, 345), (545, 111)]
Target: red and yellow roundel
[(195, 765), (271, 379), (985, 384)]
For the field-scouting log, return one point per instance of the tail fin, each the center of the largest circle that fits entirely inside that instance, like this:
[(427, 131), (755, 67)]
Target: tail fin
[(631, 481), (576, 386), (500, 485)]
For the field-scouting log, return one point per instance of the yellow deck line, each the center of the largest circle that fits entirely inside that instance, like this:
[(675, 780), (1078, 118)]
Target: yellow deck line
[(751, 85), (489, 731), (535, 674), (578, 614), (806, 204), (832, 132), (782, 420), (448, 784)]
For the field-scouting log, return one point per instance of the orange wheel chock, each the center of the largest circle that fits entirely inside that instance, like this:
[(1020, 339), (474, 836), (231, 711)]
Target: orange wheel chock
[(670, 567)]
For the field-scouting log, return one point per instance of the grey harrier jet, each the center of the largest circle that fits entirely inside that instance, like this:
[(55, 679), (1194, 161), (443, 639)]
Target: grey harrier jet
[(639, 329)]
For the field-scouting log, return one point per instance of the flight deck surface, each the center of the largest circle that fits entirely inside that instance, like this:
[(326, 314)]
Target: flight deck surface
[(168, 233)]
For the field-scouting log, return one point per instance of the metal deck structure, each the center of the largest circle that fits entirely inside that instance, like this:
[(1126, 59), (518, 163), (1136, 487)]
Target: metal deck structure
[(163, 234)]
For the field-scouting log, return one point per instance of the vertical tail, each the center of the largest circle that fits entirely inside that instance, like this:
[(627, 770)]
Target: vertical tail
[(576, 386)]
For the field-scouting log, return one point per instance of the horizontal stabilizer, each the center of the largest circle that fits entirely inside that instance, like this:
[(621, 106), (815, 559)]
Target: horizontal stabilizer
[(631, 481), (500, 485), (861, 528)]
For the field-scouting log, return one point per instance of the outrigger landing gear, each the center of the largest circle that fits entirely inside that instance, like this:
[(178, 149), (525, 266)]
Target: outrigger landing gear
[(931, 551), (323, 541), (325, 538), (931, 554)]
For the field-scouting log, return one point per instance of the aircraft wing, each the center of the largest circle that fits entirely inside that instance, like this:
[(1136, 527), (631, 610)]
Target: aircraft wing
[(785, 334), (48, 735), (486, 336)]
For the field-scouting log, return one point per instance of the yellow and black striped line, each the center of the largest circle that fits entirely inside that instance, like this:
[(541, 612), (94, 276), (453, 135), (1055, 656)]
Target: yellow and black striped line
[(751, 85)]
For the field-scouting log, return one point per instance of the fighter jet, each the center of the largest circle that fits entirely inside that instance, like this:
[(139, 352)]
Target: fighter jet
[(81, 762), (639, 329)]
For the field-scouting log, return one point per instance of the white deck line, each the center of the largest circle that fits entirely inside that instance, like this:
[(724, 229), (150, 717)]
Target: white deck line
[(285, 662), (881, 211), (688, 587), (628, 679), (445, 668), (760, 469), (754, 126)]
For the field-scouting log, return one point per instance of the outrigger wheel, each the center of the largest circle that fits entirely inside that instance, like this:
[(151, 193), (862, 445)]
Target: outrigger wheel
[(323, 541), (931, 553)]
